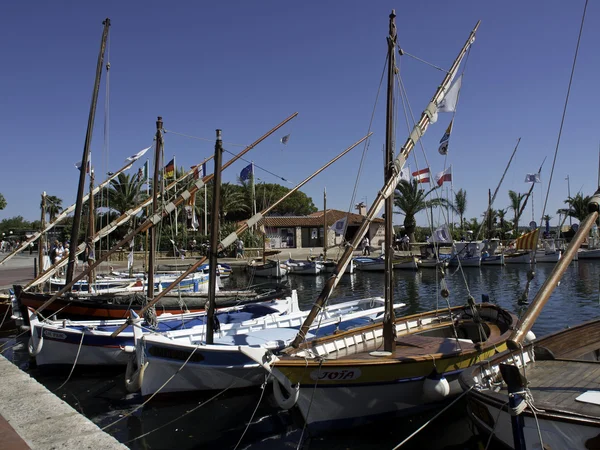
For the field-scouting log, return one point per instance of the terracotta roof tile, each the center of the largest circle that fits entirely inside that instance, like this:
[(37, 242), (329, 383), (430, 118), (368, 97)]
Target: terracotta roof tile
[(314, 220)]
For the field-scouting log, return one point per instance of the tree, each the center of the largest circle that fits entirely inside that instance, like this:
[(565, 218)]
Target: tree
[(578, 206), (410, 199), (53, 207), (515, 205), (2, 202), (460, 205), (125, 192)]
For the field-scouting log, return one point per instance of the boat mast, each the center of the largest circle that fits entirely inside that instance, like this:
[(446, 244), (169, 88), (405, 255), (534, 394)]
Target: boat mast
[(416, 133), (84, 159), (156, 218), (389, 329), (214, 242), (41, 241), (515, 341), (230, 239), (324, 224), (152, 249), (91, 231)]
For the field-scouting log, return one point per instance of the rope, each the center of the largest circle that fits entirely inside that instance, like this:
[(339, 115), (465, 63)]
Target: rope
[(404, 52), (218, 394), (74, 362), (4, 318), (433, 418), (495, 425), (562, 120), (309, 406), (262, 387), (202, 139)]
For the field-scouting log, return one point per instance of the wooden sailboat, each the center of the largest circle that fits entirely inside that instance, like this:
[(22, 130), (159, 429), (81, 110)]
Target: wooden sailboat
[(406, 364), (549, 390)]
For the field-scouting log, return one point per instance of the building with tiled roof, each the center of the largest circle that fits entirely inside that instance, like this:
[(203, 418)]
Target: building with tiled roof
[(307, 231)]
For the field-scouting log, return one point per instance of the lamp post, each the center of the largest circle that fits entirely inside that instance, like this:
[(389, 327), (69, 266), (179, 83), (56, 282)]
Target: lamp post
[(569, 194)]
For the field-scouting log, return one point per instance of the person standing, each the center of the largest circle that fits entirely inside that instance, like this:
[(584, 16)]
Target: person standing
[(366, 249), (239, 253)]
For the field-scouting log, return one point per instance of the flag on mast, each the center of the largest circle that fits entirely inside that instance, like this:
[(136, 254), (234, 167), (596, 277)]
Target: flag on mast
[(443, 148), (422, 176), (285, 139), (138, 155), (170, 169), (246, 172), (339, 226), (444, 175), (532, 178), (89, 164), (405, 174)]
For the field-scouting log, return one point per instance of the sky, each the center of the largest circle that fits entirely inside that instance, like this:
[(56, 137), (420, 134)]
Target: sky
[(244, 67)]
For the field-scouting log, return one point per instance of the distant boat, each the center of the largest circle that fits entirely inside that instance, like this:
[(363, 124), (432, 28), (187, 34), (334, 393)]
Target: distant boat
[(269, 269)]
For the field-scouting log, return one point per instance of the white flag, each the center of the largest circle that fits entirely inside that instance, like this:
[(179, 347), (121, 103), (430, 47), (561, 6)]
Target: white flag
[(130, 260), (444, 175), (448, 103), (532, 178), (138, 155), (339, 226), (441, 234), (405, 174)]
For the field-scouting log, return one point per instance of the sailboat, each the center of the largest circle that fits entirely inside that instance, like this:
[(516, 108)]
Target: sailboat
[(549, 390), (405, 364)]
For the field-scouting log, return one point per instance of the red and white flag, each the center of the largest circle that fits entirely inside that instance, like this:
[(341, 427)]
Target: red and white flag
[(444, 175), (422, 176)]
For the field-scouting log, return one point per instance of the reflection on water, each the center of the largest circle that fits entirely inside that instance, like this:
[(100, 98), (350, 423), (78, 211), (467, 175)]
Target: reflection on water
[(201, 421)]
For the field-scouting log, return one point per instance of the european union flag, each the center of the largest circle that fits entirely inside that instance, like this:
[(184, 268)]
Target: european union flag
[(246, 172)]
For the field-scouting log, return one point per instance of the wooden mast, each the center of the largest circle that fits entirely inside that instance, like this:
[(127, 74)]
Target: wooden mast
[(156, 218), (152, 249), (324, 224), (389, 330), (91, 231), (214, 242), (528, 319), (233, 236), (41, 241), (418, 131), (84, 159)]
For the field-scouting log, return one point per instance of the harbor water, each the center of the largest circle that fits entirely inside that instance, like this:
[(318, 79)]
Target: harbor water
[(249, 419)]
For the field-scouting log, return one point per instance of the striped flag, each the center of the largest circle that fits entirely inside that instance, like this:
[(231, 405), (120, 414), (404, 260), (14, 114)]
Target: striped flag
[(528, 241), (422, 176), (444, 175)]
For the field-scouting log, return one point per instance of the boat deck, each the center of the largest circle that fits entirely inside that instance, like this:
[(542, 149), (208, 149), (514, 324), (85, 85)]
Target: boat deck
[(413, 346), (555, 385)]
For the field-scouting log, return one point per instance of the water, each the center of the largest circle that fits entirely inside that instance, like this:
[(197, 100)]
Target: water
[(207, 420)]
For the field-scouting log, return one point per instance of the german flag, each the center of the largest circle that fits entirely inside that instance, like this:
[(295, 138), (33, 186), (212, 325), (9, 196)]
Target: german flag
[(528, 241), (170, 169)]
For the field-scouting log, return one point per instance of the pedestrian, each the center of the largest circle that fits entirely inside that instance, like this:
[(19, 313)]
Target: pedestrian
[(192, 247), (239, 246), (366, 249)]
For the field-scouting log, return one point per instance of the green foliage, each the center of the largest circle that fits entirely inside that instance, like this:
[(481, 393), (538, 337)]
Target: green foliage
[(578, 206), (53, 207), (2, 202), (460, 205), (410, 199)]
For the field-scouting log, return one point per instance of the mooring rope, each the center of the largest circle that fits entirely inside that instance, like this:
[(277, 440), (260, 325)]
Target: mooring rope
[(433, 418), (74, 362)]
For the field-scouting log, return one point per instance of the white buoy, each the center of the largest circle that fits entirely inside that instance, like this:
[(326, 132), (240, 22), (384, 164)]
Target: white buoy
[(529, 337), (435, 387)]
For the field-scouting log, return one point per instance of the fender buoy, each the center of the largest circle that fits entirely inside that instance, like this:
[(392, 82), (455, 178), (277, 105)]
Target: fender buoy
[(435, 387), (292, 391), (134, 375), (33, 352)]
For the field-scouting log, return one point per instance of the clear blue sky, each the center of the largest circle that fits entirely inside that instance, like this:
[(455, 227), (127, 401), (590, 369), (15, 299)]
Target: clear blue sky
[(245, 66)]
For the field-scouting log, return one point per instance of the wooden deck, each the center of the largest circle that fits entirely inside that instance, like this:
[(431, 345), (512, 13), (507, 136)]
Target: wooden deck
[(416, 346), (555, 385)]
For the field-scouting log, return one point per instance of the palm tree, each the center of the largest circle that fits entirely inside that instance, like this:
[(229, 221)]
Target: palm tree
[(515, 205), (232, 200), (53, 207), (501, 214), (125, 192), (410, 200), (460, 205), (578, 206)]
